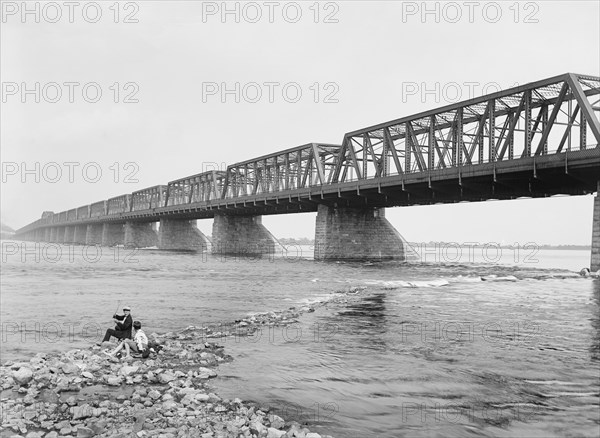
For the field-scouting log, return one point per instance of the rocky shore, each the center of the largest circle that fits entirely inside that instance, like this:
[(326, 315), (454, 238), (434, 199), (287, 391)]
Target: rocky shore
[(85, 393)]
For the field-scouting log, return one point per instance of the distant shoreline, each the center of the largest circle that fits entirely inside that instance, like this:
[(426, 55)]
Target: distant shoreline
[(306, 241)]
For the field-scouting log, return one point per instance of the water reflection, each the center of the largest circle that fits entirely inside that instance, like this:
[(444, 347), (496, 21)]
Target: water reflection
[(367, 320)]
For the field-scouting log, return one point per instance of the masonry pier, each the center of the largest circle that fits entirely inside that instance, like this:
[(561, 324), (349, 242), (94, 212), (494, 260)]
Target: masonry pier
[(242, 235), (93, 234), (79, 234), (595, 259), (112, 234), (68, 234), (140, 234), (353, 233), (181, 235)]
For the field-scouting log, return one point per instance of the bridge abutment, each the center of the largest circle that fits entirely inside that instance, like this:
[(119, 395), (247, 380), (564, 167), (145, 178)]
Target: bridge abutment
[(241, 235), (181, 235), (112, 234), (140, 235), (351, 233), (595, 259), (93, 234)]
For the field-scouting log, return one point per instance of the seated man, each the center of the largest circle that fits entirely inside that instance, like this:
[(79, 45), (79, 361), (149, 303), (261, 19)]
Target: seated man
[(122, 328), (139, 344)]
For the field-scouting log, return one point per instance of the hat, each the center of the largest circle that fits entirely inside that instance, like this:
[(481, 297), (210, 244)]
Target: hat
[(137, 325), (127, 308)]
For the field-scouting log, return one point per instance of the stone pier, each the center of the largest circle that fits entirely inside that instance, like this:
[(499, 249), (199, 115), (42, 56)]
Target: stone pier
[(47, 233), (69, 234), (93, 234), (140, 234), (181, 235), (113, 234), (53, 235), (39, 235), (242, 236), (595, 259), (79, 234), (355, 234)]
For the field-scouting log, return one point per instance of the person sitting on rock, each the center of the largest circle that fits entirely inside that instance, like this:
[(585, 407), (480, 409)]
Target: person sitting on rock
[(122, 328), (139, 344)]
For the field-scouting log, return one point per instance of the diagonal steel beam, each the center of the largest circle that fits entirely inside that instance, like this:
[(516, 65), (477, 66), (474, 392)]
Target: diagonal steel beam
[(555, 110), (586, 107)]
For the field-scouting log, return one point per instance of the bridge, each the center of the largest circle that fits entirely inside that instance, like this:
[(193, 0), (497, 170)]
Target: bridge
[(535, 140)]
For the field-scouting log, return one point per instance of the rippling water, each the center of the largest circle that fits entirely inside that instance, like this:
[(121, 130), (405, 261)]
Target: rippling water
[(417, 350)]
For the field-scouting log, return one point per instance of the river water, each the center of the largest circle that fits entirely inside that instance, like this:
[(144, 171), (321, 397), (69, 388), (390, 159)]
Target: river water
[(420, 349)]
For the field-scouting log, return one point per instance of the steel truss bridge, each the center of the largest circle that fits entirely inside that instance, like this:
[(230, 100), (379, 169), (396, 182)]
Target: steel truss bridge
[(535, 140)]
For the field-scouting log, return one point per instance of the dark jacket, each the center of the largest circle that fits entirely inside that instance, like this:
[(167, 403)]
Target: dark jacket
[(125, 326)]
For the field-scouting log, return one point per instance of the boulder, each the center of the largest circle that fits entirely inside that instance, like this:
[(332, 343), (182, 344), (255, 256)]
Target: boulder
[(274, 433), (23, 375)]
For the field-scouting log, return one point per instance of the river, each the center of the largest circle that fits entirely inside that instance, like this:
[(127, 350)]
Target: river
[(495, 345)]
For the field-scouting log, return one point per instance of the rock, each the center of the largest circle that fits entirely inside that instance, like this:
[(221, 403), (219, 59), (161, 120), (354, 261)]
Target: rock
[(274, 433), (113, 380), (84, 432), (258, 427), (87, 375), (72, 401), (48, 396), (166, 377), (276, 421), (82, 411), (70, 368), (202, 397), (206, 373), (23, 375), (52, 434), (154, 394), (313, 435), (128, 370), (65, 431)]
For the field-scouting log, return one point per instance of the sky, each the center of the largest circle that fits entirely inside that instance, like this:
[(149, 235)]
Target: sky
[(108, 98)]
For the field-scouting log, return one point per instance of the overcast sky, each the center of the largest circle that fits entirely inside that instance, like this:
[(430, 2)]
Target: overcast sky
[(164, 111)]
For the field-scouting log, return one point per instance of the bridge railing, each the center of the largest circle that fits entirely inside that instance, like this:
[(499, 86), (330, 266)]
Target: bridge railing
[(83, 212), (545, 117), (151, 197), (202, 187), (300, 167), (98, 209), (119, 204)]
